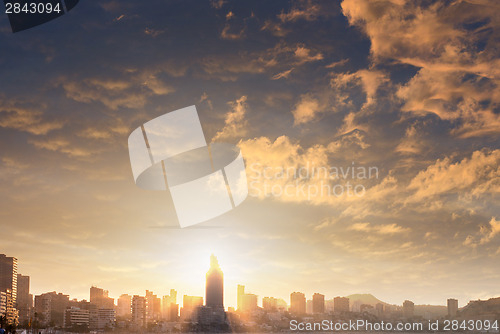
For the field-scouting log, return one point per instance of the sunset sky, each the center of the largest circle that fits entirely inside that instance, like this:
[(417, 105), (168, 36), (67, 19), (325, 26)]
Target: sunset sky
[(409, 87)]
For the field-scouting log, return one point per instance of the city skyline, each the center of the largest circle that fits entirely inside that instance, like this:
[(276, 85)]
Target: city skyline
[(95, 293), (394, 103)]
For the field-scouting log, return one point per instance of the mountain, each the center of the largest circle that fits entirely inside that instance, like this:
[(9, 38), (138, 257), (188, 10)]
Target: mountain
[(480, 307), (364, 299)]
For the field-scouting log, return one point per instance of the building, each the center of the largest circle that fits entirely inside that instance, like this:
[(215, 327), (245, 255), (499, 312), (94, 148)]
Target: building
[(3, 303), (189, 305), (106, 319), (212, 313), (8, 285), (297, 303), (100, 298), (207, 315), (309, 306), (8, 275), (170, 308), (341, 304), (318, 303), (50, 308), (248, 302), (452, 307), (240, 293), (282, 305), (153, 307), (270, 304), (76, 318), (367, 308), (139, 311), (24, 299), (408, 309), (7, 308), (214, 290), (124, 306)]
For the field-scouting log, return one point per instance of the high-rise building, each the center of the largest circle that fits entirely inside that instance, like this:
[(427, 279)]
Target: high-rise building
[(214, 292), (100, 298), (50, 308), (170, 308), (153, 307), (341, 304), (239, 296), (124, 306), (24, 299), (3, 303), (408, 309), (318, 303), (452, 307), (8, 275), (189, 305), (8, 285), (7, 308), (139, 311), (297, 303)]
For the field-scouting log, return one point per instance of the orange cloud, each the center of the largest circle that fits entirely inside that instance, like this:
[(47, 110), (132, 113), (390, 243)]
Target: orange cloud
[(477, 176), (456, 77), (235, 124)]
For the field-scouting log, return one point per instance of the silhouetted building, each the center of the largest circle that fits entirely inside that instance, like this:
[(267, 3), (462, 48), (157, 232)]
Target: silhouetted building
[(106, 319), (318, 303), (297, 303), (408, 309), (7, 308), (100, 298), (8, 285), (139, 311), (50, 308), (452, 307), (3, 303), (214, 292), (24, 299), (341, 304)]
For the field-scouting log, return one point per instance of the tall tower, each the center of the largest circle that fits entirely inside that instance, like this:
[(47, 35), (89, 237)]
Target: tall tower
[(214, 292), (8, 276), (239, 297)]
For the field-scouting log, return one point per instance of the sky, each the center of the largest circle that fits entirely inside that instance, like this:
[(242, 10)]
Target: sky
[(409, 88)]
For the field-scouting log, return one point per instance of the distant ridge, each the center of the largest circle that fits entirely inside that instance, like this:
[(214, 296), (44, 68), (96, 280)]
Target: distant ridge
[(366, 298)]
